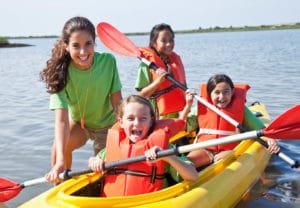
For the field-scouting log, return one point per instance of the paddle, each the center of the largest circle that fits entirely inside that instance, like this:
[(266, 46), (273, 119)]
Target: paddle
[(286, 126), (119, 43)]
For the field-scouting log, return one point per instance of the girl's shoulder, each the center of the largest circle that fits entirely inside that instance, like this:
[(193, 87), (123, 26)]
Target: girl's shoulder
[(104, 55)]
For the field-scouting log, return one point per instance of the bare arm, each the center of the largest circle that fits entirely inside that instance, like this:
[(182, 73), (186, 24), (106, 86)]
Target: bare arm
[(273, 146), (60, 137), (150, 89), (186, 171), (189, 97), (116, 99)]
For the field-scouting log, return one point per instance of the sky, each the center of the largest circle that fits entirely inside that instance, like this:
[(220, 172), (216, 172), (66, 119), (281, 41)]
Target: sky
[(47, 17)]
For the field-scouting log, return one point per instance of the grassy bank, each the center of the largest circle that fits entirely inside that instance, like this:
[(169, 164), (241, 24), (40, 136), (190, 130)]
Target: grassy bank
[(248, 28), (4, 43), (3, 40)]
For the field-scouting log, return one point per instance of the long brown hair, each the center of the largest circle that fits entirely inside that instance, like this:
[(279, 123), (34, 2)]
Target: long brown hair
[(55, 73)]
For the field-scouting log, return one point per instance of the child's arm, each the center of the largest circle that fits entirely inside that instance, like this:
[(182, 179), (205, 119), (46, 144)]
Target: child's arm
[(148, 90), (189, 98), (273, 146), (247, 122), (186, 171)]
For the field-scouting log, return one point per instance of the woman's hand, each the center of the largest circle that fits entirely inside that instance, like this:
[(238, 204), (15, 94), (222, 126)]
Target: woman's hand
[(53, 174)]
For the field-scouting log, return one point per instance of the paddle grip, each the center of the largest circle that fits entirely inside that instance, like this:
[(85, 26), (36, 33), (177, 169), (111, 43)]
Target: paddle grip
[(109, 165), (67, 174), (159, 154), (153, 66), (290, 161)]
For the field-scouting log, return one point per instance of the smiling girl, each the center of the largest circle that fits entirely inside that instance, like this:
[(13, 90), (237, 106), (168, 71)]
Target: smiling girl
[(229, 98), (136, 133), (168, 100), (85, 91)]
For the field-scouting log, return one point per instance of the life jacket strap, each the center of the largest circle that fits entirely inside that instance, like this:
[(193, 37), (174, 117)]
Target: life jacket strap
[(163, 91), (214, 132), (153, 176)]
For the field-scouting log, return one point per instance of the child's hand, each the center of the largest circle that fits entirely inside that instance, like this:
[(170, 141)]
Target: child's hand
[(96, 164), (151, 153), (189, 96), (273, 146), (161, 73)]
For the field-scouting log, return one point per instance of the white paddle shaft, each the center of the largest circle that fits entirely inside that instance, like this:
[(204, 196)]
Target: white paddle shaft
[(215, 142)]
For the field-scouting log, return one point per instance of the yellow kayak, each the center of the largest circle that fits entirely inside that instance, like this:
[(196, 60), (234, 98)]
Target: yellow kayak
[(222, 184)]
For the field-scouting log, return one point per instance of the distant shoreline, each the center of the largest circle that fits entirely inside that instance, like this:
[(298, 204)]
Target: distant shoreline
[(4, 40), (12, 45), (232, 29)]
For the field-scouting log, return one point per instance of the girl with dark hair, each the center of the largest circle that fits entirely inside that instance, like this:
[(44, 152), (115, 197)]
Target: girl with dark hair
[(229, 98), (138, 132), (85, 91), (168, 100)]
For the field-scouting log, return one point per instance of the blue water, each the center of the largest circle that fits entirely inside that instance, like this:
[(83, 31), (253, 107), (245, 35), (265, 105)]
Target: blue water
[(269, 61)]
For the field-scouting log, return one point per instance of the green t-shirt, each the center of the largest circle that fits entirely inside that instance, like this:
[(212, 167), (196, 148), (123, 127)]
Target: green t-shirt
[(168, 168), (88, 92), (145, 78)]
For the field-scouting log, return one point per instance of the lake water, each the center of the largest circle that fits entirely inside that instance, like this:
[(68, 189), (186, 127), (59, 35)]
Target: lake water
[(269, 61)]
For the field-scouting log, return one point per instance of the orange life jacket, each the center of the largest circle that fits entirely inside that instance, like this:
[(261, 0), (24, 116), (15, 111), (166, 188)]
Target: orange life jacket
[(141, 177), (169, 97), (213, 126)]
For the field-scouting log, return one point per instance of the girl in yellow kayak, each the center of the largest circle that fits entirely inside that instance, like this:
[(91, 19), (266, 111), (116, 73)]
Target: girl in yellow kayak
[(230, 99), (139, 133)]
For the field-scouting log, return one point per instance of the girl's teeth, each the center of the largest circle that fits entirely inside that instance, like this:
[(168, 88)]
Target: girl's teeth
[(83, 58), (135, 132)]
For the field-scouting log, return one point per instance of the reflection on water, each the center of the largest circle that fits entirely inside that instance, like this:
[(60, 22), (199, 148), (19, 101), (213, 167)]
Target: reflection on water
[(287, 190), (280, 194), (271, 190), (269, 61)]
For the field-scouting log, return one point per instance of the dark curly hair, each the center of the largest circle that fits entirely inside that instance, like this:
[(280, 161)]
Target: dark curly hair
[(55, 73)]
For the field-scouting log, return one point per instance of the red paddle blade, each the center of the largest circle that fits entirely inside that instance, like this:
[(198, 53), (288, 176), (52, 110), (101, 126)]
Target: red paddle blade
[(116, 41), (8, 189), (285, 126)]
